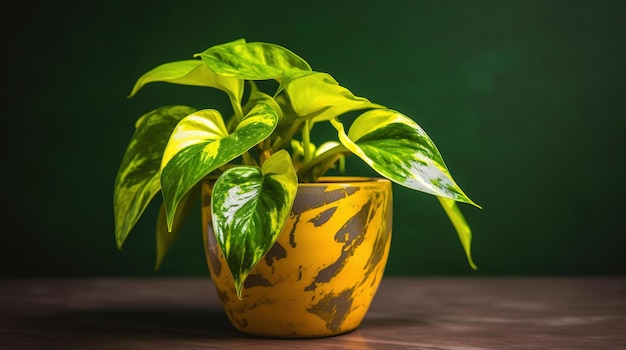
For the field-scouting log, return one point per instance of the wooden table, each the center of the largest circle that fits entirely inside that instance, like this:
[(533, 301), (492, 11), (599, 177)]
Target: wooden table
[(408, 313)]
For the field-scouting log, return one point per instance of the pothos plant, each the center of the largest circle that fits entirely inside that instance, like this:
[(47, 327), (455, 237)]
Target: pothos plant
[(259, 153)]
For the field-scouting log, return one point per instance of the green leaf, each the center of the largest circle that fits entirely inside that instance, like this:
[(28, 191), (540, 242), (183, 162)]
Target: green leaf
[(294, 74), (250, 207), (201, 144), (137, 179), (251, 61), (319, 97), (196, 73), (397, 148), (165, 238), (460, 225)]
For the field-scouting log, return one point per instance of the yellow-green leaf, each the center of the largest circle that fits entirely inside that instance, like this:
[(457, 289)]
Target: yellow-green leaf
[(460, 225), (319, 97), (251, 61), (201, 144), (250, 207), (165, 238), (193, 72), (137, 179), (400, 150)]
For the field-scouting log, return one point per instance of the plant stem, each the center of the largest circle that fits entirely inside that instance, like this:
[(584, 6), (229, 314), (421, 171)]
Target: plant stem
[(281, 142), (306, 140), (248, 159), (331, 153), (236, 109)]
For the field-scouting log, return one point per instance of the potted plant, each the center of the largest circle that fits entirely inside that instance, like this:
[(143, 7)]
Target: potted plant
[(264, 191)]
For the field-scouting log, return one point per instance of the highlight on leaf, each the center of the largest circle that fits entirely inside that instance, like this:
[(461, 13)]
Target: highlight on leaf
[(199, 146), (250, 206), (251, 61), (137, 180), (258, 151), (399, 149)]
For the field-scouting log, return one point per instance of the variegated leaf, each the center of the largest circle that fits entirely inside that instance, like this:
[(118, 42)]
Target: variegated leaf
[(250, 207), (460, 225), (319, 97), (165, 238), (137, 179), (397, 148), (201, 144), (251, 61), (196, 73)]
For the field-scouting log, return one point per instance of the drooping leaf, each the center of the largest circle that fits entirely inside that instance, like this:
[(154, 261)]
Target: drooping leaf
[(196, 73), (250, 207), (319, 97), (137, 179), (398, 149), (165, 238), (201, 144), (460, 225), (251, 61)]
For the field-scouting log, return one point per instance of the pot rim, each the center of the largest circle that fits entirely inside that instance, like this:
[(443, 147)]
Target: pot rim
[(344, 180)]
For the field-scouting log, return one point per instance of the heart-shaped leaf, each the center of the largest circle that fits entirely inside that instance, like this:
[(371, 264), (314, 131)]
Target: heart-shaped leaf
[(250, 207), (137, 179), (251, 61), (201, 144), (397, 148)]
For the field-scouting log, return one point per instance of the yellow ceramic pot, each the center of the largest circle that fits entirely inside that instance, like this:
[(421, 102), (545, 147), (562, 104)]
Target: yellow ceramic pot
[(323, 272)]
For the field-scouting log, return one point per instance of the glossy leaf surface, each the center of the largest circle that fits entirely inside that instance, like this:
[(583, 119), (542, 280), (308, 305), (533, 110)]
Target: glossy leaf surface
[(192, 72), (201, 144), (318, 96), (250, 207), (137, 179), (397, 148), (251, 61)]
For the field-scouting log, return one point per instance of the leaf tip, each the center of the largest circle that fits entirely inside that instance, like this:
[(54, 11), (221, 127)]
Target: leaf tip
[(157, 265), (119, 241), (471, 202), (239, 289), (472, 264)]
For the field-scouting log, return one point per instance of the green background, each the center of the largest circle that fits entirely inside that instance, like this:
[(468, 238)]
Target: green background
[(525, 100)]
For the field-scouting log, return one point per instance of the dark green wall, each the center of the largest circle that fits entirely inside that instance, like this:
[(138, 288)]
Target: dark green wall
[(525, 100)]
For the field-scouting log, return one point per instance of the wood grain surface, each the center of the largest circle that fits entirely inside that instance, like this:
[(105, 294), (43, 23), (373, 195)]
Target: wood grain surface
[(407, 313)]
